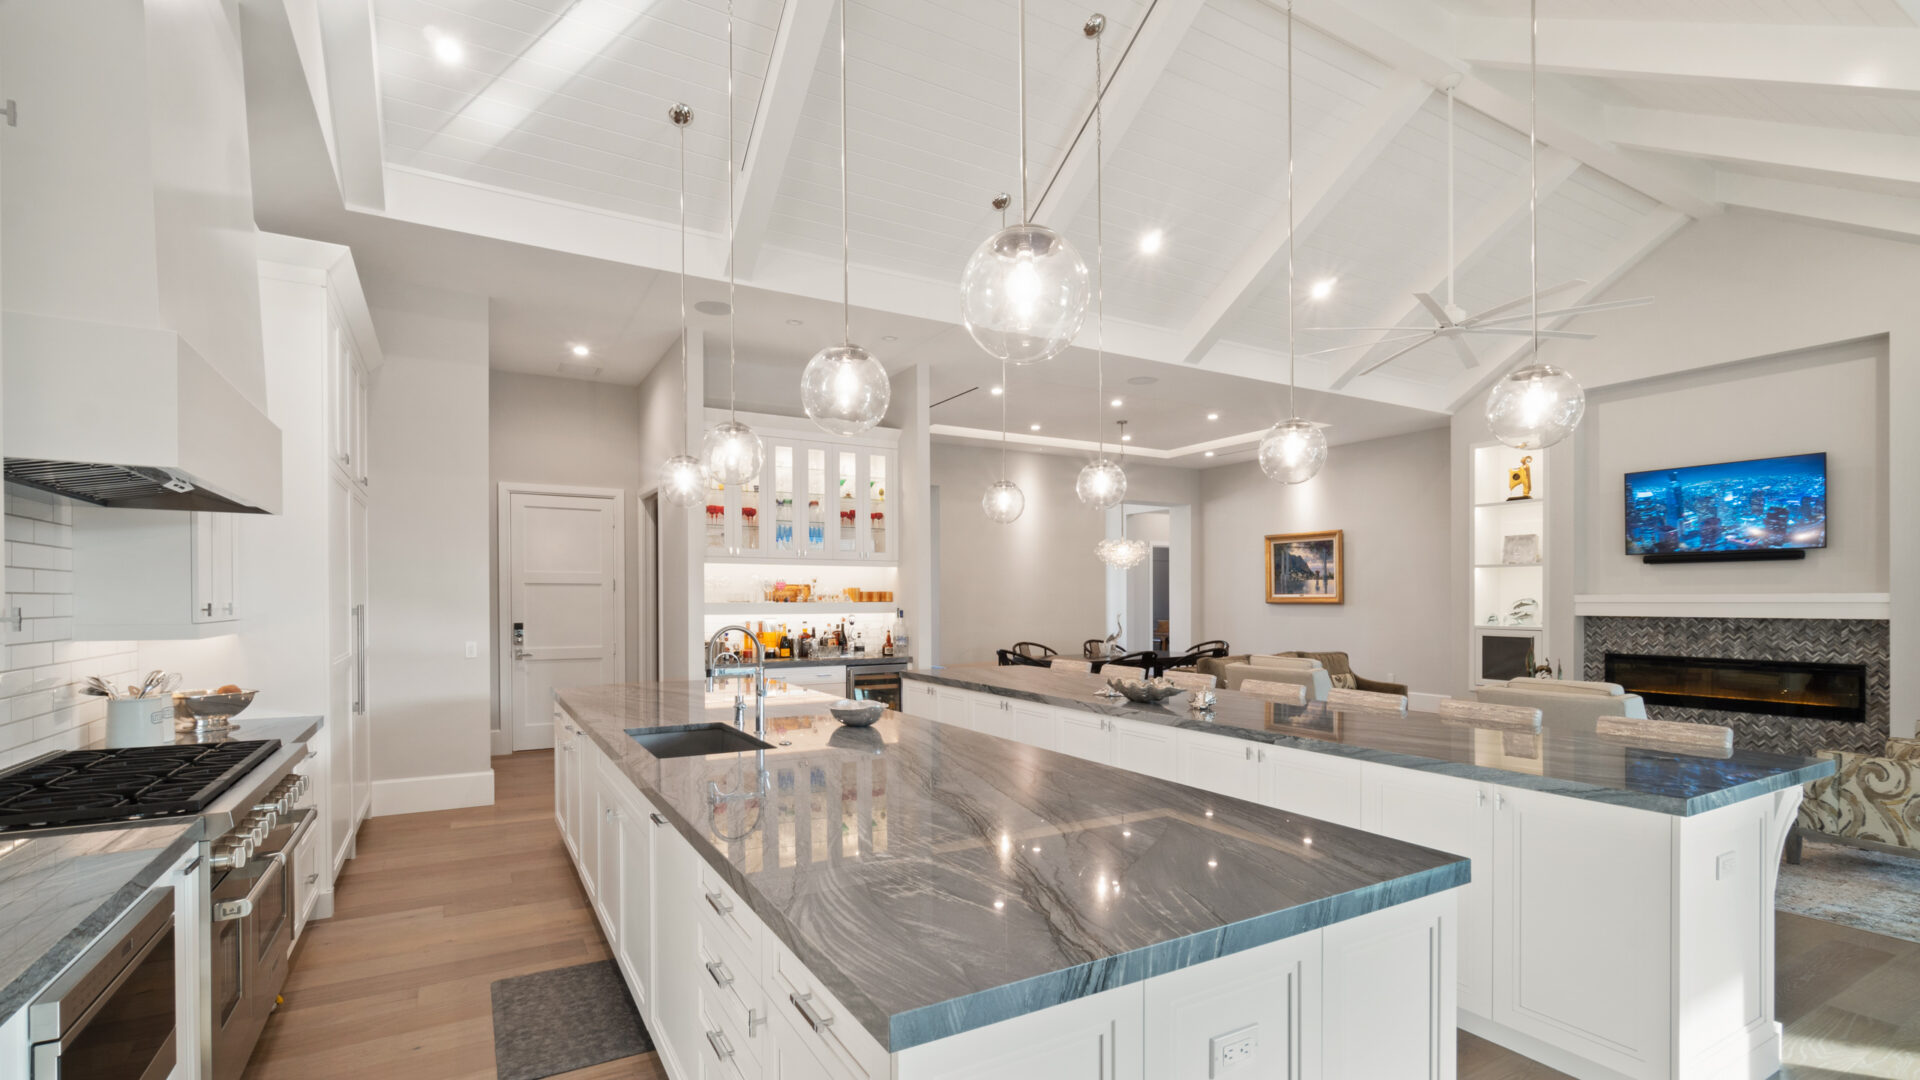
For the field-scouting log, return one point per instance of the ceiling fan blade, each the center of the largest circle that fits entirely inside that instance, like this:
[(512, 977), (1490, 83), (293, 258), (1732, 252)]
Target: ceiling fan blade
[(1463, 350), (1583, 309), (1388, 359), (1434, 308), (1511, 304), (1521, 331), (1366, 344)]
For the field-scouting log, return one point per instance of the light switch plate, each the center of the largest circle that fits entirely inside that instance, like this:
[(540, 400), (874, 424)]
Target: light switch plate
[(1226, 1053)]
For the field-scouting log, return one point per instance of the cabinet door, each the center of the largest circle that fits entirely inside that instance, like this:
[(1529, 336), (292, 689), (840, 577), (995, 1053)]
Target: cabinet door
[(612, 821), (1085, 735), (844, 532), (877, 514), (1582, 897), (1035, 725), (1220, 764), (587, 815), (1387, 993), (638, 825), (917, 699), (1317, 785), (790, 1053), (562, 753), (1099, 1037), (988, 715), (678, 1031), (952, 706), (221, 567), (1268, 997), (339, 400), (363, 423), (306, 871), (1143, 748), (206, 569), (361, 716), (1451, 815)]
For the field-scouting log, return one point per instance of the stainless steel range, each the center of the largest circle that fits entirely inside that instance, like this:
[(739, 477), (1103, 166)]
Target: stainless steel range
[(246, 794)]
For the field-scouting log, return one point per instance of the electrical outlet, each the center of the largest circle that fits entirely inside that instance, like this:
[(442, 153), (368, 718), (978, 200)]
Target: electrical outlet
[(1228, 1052), (1723, 866)]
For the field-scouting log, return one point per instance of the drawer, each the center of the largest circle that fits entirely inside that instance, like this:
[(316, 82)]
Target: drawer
[(731, 981), (744, 1026), (722, 909), (307, 865), (835, 1036), (717, 1053)]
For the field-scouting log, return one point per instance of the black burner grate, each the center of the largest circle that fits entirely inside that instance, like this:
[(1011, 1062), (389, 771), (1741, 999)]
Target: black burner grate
[(85, 786)]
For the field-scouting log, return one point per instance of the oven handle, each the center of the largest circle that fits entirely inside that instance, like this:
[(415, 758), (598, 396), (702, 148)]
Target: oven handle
[(229, 910)]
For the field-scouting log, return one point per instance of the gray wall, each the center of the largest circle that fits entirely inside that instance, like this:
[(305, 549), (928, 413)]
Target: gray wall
[(548, 430), (1036, 579), (1390, 497)]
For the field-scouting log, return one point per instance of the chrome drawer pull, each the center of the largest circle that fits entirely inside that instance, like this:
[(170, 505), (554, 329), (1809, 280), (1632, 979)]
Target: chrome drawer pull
[(657, 819), (755, 1020), (719, 902), (722, 1049), (815, 1019), (722, 978)]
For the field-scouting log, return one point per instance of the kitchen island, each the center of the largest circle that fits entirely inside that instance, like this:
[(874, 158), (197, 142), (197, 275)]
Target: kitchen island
[(1620, 917), (917, 900)]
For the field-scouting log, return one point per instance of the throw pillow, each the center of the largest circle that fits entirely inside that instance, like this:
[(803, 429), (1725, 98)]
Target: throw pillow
[(1344, 680)]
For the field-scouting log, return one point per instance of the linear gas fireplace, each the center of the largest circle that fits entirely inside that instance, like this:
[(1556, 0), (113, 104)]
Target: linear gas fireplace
[(1773, 687)]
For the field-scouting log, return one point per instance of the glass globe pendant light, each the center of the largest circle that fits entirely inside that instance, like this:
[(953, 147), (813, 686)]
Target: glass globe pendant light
[(1293, 450), (732, 452), (1121, 552), (1024, 292), (844, 389), (1003, 502), (1101, 483), (682, 482), (1537, 405)]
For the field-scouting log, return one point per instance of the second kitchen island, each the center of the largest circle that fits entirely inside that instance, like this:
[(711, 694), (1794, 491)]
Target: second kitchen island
[(915, 900)]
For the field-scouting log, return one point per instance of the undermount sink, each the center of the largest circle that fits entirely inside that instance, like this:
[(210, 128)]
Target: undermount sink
[(696, 740)]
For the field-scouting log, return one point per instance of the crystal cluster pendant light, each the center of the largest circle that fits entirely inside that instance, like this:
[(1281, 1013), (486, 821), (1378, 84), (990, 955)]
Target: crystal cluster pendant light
[(1537, 405), (1293, 450), (732, 451), (1101, 483), (682, 482), (1003, 502), (1025, 291), (1122, 552), (844, 389)]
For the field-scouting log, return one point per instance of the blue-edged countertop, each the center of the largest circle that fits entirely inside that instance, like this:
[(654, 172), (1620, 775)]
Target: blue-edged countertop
[(1576, 762), (937, 880), (61, 889)]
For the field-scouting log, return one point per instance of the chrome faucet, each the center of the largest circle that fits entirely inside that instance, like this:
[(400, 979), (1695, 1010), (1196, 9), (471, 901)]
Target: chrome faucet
[(724, 664)]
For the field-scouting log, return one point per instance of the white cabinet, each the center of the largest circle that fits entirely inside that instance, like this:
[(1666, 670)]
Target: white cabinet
[(609, 819), (917, 699), (1263, 1003), (1452, 815), (1317, 785), (347, 399), (817, 498), (953, 706), (566, 786), (638, 825), (150, 575), (988, 715), (1143, 748), (1035, 725), (1387, 1005), (307, 864), (1098, 1037), (1085, 735), (1220, 764)]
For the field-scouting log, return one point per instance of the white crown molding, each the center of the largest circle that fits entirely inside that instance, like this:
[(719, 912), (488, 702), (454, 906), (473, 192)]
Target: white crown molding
[(1737, 605)]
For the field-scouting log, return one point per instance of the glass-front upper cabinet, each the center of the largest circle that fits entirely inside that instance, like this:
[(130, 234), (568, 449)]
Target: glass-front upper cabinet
[(815, 498), (876, 508)]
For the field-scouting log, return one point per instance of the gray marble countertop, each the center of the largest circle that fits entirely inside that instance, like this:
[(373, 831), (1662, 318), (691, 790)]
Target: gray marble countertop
[(937, 880), (61, 890), (1579, 764)]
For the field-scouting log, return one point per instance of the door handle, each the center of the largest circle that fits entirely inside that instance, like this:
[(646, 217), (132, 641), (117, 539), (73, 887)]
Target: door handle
[(360, 658)]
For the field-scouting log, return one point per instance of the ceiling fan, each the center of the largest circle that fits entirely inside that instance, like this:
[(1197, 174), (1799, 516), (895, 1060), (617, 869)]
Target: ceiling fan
[(1453, 323)]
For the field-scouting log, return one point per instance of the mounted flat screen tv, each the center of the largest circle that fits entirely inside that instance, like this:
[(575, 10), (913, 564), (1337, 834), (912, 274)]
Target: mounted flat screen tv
[(1765, 505)]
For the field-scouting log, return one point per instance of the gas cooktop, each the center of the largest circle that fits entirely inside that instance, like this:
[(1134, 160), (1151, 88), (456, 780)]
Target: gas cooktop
[(84, 787)]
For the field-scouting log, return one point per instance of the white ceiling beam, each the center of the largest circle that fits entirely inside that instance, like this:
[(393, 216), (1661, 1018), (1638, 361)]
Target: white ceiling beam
[(783, 97), (1131, 79), (1724, 138), (1415, 36), (1321, 184), (351, 64), (1882, 215), (1643, 240), (1493, 221), (1876, 58)]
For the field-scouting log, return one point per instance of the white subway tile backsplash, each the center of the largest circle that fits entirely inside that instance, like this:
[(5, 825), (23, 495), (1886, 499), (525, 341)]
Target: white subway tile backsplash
[(52, 581)]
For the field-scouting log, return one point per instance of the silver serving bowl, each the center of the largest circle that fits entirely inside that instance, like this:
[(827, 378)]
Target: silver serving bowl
[(1144, 691), (856, 713), (202, 710)]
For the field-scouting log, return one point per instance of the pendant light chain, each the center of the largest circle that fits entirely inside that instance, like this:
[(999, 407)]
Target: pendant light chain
[(846, 250), (733, 334), (1293, 409)]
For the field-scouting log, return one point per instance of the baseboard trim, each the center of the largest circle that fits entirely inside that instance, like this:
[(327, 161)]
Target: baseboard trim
[(420, 794), (1538, 1049)]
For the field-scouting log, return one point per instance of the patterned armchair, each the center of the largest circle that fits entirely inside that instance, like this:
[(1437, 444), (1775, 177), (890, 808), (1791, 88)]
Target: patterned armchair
[(1872, 801)]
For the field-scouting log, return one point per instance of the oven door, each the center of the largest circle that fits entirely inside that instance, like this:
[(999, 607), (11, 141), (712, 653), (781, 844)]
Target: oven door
[(252, 930), (112, 1012)]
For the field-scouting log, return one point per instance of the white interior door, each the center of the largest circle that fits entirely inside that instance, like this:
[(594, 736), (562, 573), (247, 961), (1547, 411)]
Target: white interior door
[(563, 614)]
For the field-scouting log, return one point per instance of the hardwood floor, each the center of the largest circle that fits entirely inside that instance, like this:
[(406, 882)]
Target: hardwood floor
[(438, 906), (432, 911)]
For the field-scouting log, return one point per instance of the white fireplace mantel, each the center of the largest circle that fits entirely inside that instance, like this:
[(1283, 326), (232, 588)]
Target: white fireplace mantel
[(1737, 605)]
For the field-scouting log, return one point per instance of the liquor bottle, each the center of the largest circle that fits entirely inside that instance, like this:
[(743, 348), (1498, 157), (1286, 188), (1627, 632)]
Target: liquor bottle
[(887, 649), (786, 643)]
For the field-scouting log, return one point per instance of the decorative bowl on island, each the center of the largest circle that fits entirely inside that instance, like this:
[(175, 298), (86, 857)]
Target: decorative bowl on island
[(856, 713), (1144, 691)]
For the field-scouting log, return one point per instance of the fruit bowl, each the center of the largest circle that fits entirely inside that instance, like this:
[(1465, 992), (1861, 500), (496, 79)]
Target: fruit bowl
[(206, 710), (856, 713)]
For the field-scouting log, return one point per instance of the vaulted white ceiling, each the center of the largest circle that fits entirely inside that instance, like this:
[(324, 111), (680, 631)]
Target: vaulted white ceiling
[(550, 129)]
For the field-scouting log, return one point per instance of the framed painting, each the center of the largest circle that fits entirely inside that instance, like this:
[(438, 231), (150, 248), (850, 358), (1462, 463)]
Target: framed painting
[(1305, 568)]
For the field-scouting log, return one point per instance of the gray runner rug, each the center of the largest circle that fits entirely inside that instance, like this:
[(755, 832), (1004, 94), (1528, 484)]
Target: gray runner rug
[(556, 1021), (1858, 887)]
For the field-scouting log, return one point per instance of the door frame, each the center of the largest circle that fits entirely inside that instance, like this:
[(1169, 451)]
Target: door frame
[(503, 629)]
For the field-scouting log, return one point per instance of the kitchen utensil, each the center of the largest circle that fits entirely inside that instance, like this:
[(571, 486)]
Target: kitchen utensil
[(151, 684), (203, 711), (1144, 691), (101, 687), (856, 713)]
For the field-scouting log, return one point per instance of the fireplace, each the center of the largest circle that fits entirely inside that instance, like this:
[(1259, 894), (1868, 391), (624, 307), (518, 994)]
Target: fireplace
[(1773, 687)]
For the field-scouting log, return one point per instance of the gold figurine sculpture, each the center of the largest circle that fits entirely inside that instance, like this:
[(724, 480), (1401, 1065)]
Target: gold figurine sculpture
[(1521, 478)]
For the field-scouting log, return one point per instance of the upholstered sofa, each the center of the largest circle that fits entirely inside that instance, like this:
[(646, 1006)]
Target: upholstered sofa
[(1231, 671), (1565, 702), (1873, 801)]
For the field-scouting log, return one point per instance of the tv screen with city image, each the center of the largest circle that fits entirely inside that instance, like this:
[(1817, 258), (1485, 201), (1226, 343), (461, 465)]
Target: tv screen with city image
[(1765, 504)]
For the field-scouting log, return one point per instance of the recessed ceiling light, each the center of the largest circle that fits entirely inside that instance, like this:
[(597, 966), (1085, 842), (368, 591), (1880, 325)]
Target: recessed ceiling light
[(793, 322), (1035, 427), (1322, 288), (1151, 241), (889, 337), (447, 50), (1143, 380), (1116, 403), (581, 350), (1213, 416), (996, 391), (712, 307), (1209, 453)]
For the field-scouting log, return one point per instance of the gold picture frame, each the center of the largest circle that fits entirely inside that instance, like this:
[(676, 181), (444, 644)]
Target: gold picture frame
[(1306, 568)]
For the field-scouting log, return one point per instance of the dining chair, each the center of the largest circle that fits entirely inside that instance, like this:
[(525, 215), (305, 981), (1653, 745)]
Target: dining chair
[(1061, 663), (1284, 692), (1487, 714), (1367, 699), (1191, 680), (1702, 736)]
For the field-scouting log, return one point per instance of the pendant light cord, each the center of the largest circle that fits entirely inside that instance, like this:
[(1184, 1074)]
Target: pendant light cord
[(686, 422), (733, 333), (1005, 392), (1293, 409), (1451, 263), (1099, 253), (1026, 217), (1123, 465), (1533, 165), (846, 250)]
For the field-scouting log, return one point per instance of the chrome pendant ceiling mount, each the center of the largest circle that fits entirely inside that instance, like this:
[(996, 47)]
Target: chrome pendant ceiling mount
[(844, 389), (682, 481), (1293, 450), (732, 452), (1102, 483)]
